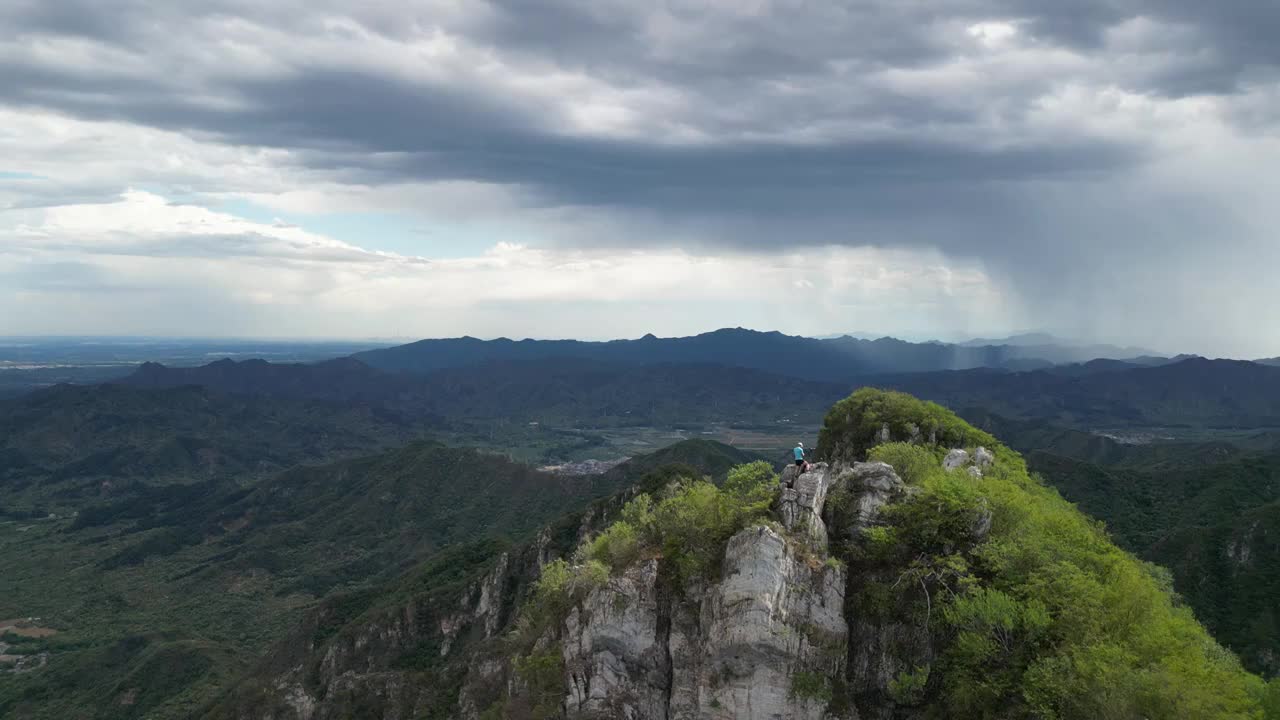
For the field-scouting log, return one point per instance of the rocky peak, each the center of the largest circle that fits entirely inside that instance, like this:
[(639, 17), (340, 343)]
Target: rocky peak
[(845, 602), (741, 646), (802, 497)]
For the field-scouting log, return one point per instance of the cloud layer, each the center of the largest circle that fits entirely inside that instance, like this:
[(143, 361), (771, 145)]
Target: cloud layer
[(131, 264), (1103, 167)]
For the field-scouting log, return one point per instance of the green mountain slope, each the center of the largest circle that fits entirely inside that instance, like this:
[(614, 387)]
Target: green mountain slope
[(66, 446), (1194, 393), (1201, 508), (1211, 523), (1229, 571), (161, 597)]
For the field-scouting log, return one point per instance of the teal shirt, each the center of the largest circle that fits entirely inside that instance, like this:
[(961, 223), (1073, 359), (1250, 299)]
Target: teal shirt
[(799, 451)]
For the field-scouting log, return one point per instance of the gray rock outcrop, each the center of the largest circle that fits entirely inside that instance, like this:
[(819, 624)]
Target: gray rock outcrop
[(983, 457), (616, 659), (869, 487), (733, 653), (802, 500), (955, 459)]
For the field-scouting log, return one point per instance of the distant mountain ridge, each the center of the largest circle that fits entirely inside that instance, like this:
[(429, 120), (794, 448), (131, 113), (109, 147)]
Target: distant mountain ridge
[(836, 359), (1193, 392), (1039, 341), (544, 389)]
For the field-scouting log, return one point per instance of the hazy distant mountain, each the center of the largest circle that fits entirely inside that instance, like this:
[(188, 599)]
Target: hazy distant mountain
[(1101, 393), (835, 359), (1193, 392), (773, 351), (343, 379), (1041, 339), (1019, 340), (569, 390), (1101, 365), (1270, 361)]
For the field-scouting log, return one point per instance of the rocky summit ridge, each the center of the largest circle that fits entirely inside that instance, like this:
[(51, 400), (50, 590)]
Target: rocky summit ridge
[(917, 571)]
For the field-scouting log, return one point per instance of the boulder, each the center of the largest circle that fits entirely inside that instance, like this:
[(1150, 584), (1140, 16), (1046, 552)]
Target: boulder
[(870, 486), (983, 457), (955, 459), (789, 475)]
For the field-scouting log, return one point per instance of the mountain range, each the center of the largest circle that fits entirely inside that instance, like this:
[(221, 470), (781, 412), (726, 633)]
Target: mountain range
[(30, 365), (1190, 392), (144, 519), (836, 359)]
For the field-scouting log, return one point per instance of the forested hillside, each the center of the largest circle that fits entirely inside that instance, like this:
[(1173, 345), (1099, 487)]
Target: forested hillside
[(164, 574)]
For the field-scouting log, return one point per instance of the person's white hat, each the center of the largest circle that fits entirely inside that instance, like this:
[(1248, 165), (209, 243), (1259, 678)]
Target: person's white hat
[(799, 444)]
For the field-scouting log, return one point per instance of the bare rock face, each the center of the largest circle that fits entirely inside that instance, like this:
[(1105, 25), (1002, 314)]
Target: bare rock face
[(879, 649), (801, 502), (789, 475), (770, 619), (615, 657), (731, 649), (955, 460), (870, 486), (983, 458)]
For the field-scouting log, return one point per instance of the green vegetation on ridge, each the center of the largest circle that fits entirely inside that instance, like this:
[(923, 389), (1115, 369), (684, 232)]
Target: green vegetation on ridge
[(1041, 617), (687, 526), (1029, 607), (1207, 508)]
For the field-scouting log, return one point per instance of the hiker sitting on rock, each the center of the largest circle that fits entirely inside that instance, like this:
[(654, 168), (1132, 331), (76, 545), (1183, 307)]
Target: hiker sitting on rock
[(800, 461)]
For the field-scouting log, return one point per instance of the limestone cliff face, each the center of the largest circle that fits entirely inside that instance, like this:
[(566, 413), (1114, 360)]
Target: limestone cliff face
[(768, 637), (730, 651)]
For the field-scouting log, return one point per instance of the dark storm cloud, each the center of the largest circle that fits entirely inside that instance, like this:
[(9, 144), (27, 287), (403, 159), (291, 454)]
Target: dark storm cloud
[(727, 64), (1230, 39), (380, 126)]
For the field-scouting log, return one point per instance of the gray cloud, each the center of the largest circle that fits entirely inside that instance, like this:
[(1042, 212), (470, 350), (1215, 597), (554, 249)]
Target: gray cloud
[(727, 64), (768, 125)]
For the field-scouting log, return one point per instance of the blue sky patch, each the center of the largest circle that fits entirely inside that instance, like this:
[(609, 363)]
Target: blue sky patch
[(388, 232)]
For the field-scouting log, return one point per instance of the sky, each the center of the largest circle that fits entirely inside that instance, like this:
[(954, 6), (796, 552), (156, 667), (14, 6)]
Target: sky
[(1100, 169)]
